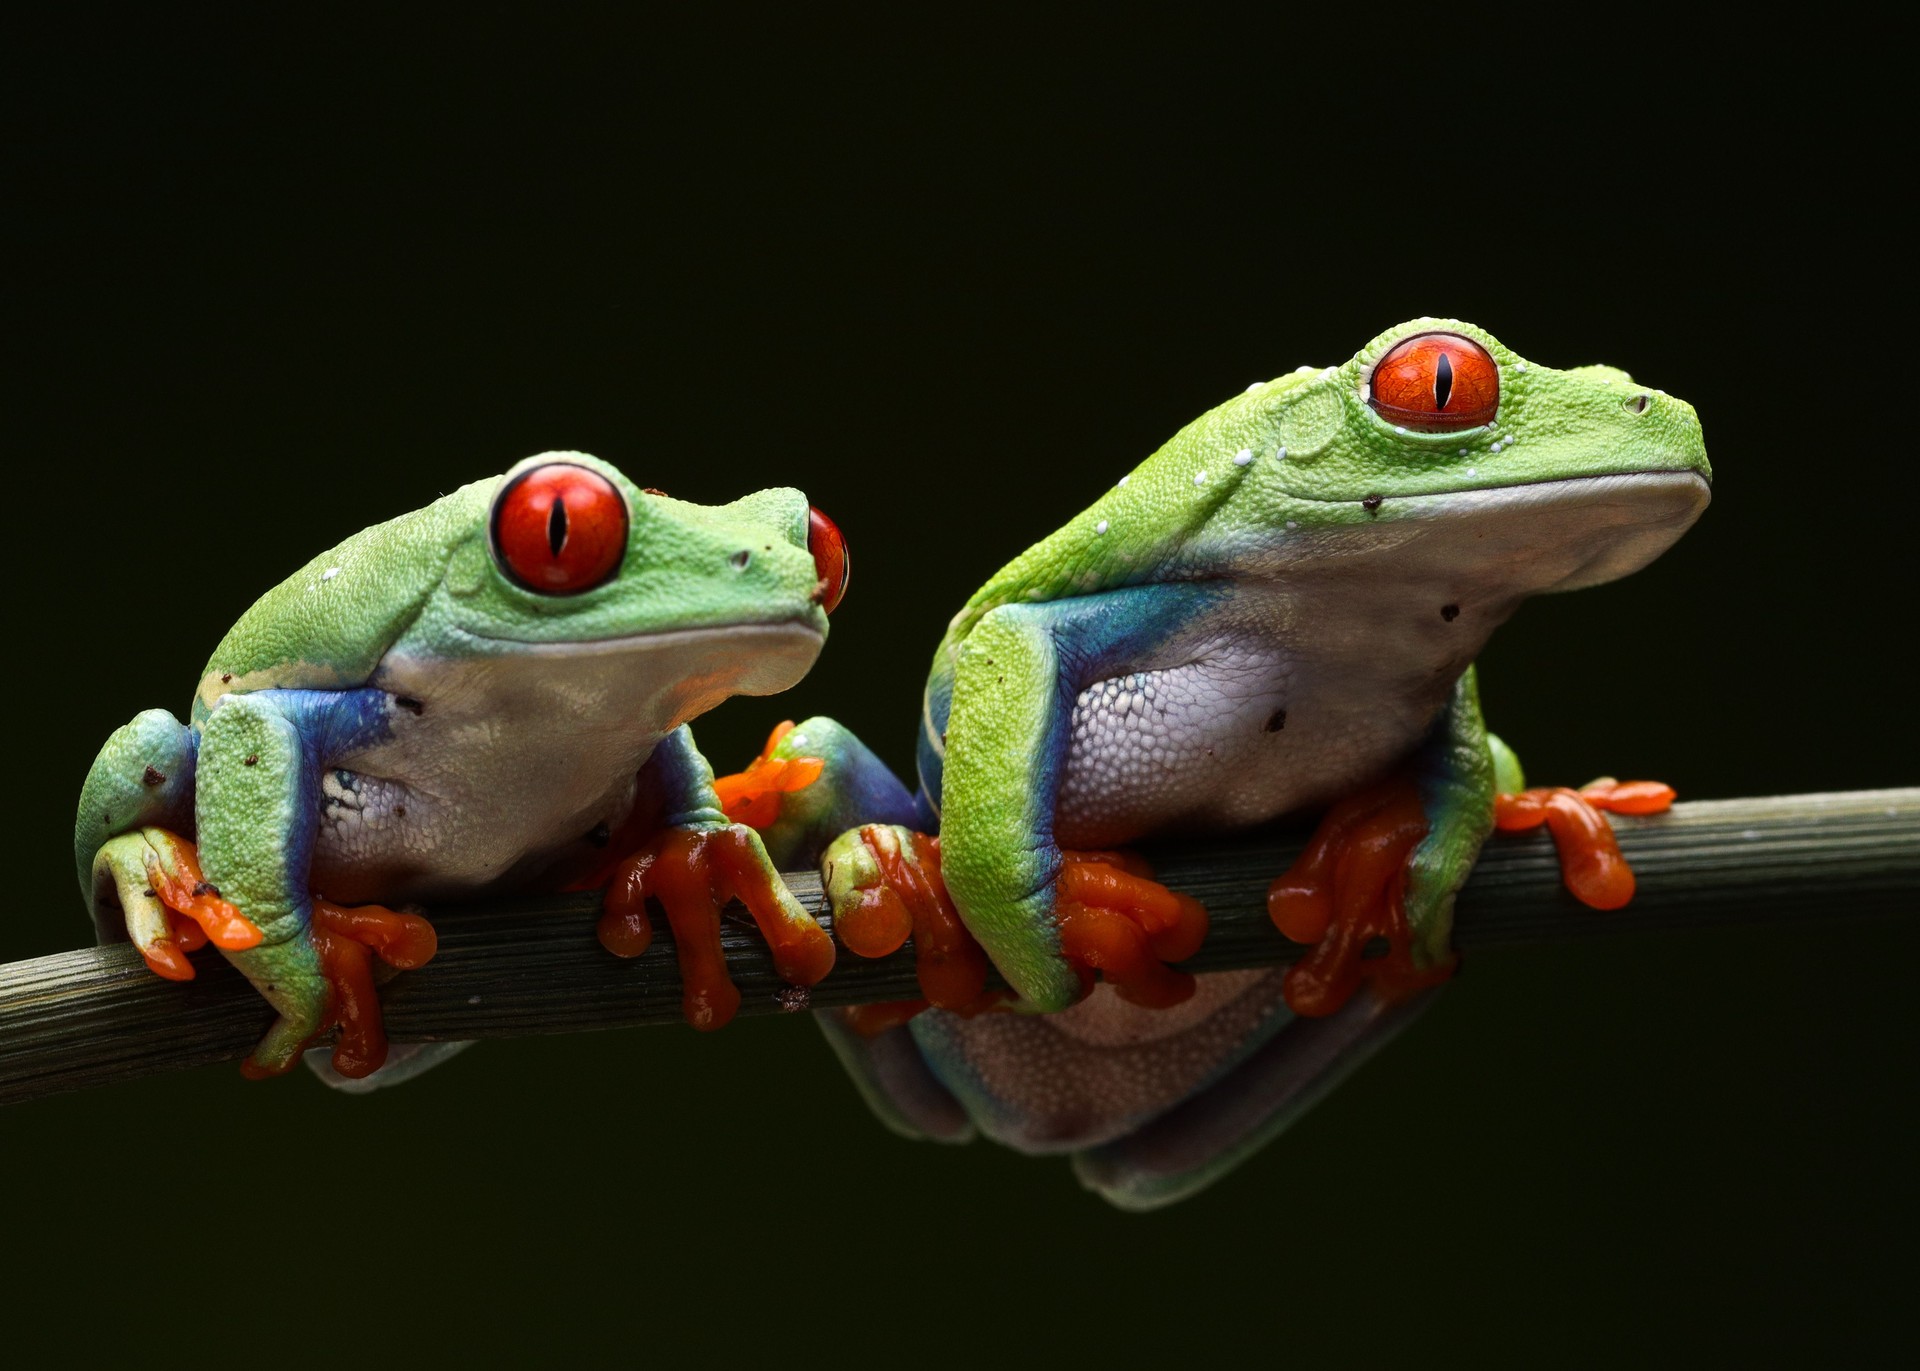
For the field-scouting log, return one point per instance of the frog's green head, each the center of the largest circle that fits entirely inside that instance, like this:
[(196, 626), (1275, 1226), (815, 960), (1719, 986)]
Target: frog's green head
[(1438, 419), (562, 557), (1434, 449), (566, 551)]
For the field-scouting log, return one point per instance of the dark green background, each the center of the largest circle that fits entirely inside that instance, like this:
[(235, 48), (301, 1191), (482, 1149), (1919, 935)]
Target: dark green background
[(275, 282)]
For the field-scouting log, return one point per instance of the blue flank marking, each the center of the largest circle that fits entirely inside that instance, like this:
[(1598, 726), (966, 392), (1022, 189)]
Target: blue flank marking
[(937, 704), (1096, 637), (330, 724)]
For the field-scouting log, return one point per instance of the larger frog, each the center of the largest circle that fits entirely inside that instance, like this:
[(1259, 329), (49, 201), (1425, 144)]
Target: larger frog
[(488, 693), (1275, 613)]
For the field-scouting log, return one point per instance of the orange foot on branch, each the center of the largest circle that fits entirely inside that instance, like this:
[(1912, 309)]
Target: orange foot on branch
[(195, 912), (347, 941), (1114, 919), (694, 873), (1346, 897), (1117, 920), (911, 901), (1591, 864)]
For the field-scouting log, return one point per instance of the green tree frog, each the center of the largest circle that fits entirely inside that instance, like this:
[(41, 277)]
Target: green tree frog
[(1275, 614), (488, 693)]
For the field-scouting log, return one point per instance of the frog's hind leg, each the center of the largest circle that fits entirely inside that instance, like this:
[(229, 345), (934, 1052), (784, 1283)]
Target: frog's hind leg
[(894, 1079), (136, 803), (811, 782), (1212, 1131), (257, 813)]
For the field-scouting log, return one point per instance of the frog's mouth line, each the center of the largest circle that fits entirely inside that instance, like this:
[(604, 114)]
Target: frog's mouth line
[(1532, 537), (799, 629), (1574, 531), (1657, 477)]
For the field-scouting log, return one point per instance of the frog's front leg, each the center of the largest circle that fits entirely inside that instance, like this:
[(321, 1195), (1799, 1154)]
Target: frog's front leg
[(694, 862), (1049, 919), (1373, 892), (1591, 864), (812, 782), (257, 814)]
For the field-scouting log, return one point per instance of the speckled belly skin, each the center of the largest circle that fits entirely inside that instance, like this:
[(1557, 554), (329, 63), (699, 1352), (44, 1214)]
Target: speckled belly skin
[(1281, 698), (1233, 723), (488, 803)]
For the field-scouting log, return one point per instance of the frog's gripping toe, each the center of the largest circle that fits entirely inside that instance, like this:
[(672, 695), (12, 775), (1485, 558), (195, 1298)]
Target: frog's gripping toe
[(1591, 864), (326, 981), (1346, 896), (347, 940), (1117, 920), (694, 872), (320, 980), (169, 907), (885, 885)]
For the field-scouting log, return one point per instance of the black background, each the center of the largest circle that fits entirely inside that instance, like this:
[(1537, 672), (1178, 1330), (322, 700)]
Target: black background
[(276, 280)]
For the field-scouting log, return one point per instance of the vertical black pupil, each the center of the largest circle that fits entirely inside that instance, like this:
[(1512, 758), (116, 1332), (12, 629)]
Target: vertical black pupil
[(557, 527), (1442, 381)]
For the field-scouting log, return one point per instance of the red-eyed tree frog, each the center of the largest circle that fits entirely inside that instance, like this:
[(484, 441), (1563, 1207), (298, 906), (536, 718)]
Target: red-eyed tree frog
[(489, 693), (1275, 614)]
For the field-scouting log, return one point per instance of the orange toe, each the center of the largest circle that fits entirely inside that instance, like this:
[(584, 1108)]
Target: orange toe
[(1346, 896), (694, 873), (1591, 864)]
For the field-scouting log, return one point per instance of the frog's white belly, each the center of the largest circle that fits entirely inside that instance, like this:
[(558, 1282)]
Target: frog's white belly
[(516, 757), (1274, 701)]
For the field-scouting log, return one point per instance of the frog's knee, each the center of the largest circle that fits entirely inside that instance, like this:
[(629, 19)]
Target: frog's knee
[(143, 776), (1508, 778)]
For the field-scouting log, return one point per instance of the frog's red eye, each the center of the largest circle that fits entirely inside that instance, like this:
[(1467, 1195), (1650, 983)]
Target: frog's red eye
[(560, 529), (830, 558), (1436, 383)]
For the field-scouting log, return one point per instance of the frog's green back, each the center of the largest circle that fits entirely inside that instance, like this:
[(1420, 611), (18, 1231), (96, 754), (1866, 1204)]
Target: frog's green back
[(1100, 550), (328, 625)]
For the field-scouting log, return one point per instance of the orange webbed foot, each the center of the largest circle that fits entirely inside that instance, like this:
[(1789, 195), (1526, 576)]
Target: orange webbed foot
[(903, 895), (694, 872), (1591, 864), (1117, 920), (1114, 920), (1346, 896), (347, 940), (196, 914), (752, 796)]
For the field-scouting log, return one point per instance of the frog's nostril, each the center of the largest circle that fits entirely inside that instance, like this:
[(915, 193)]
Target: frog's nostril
[(1638, 404), (740, 559)]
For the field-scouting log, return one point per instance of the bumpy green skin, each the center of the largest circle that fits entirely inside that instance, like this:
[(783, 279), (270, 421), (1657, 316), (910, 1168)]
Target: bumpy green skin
[(1339, 453), (427, 579), (292, 692), (1344, 468), (1276, 610)]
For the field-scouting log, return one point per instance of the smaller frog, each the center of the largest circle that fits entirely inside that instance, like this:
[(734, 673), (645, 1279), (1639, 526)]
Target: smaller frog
[(1276, 614), (490, 693)]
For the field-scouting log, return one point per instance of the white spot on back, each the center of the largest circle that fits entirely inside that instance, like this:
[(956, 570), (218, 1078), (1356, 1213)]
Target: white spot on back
[(1243, 456), (1100, 527)]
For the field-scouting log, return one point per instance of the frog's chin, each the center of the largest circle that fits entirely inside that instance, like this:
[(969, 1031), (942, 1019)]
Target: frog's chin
[(643, 684), (1563, 534)]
